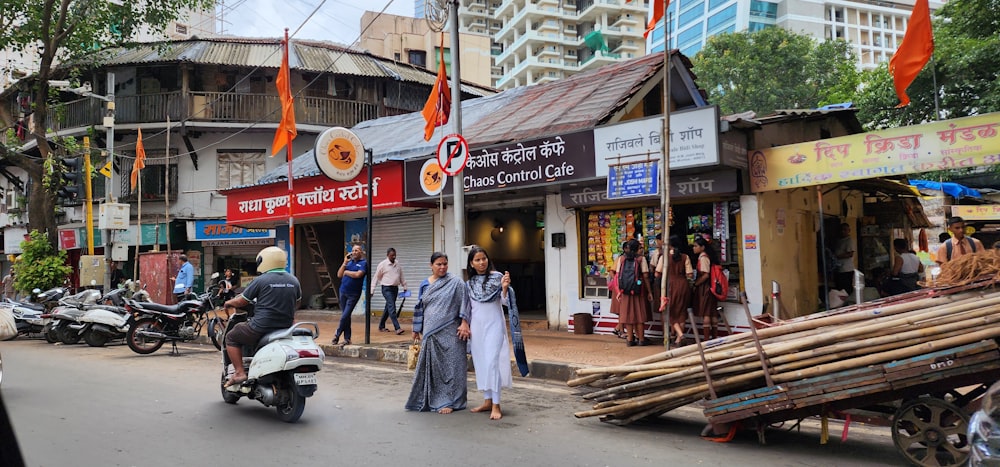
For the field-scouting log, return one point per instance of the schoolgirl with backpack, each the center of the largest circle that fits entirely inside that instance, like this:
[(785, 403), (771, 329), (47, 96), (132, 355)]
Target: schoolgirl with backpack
[(706, 290), (632, 295)]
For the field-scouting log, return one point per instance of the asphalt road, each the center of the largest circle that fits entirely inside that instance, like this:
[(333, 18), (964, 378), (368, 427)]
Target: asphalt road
[(82, 406)]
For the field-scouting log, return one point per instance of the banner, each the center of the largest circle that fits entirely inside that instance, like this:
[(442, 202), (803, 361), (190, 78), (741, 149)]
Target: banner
[(982, 212), (949, 144), (633, 180)]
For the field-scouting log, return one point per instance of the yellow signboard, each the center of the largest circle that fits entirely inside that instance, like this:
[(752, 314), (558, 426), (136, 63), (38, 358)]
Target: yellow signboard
[(106, 170), (983, 212), (948, 144)]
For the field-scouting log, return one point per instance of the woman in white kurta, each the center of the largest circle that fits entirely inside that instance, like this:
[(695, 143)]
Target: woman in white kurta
[(487, 291)]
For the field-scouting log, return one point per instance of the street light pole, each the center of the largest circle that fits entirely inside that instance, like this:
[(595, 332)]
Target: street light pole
[(109, 126), (456, 117)]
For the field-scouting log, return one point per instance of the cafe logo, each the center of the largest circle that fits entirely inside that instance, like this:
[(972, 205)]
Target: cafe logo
[(340, 155), (432, 178)]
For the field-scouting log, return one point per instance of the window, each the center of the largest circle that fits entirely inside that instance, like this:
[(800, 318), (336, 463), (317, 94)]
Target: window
[(658, 33), (694, 13), (692, 49), (238, 168), (396, 56), (763, 9), (713, 4), (755, 26), (180, 28), (689, 35), (447, 58), (152, 181), (721, 17), (417, 57)]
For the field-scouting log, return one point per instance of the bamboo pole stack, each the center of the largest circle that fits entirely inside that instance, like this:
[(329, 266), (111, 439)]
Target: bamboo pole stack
[(806, 347)]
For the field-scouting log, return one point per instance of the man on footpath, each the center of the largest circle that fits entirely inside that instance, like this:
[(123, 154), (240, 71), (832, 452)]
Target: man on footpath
[(389, 275), (184, 279), (352, 282)]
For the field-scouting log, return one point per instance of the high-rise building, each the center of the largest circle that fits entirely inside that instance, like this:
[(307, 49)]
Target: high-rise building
[(418, 8), (873, 27), (535, 41)]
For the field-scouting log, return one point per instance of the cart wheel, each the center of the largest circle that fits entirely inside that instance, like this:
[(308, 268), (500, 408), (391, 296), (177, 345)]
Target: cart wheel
[(931, 432)]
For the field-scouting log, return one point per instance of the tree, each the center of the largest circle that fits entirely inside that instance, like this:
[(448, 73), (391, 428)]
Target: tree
[(966, 41), (774, 69), (64, 31), (40, 265)]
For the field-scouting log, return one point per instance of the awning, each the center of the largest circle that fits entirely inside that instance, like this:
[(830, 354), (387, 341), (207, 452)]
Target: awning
[(955, 190), (884, 186)]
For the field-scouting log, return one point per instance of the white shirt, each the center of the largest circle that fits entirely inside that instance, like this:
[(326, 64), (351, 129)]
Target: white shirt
[(845, 245), (390, 274)]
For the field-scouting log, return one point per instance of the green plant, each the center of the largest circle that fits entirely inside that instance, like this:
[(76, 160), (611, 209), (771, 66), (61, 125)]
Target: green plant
[(40, 265)]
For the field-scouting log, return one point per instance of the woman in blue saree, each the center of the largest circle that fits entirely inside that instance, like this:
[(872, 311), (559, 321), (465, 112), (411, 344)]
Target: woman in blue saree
[(441, 324)]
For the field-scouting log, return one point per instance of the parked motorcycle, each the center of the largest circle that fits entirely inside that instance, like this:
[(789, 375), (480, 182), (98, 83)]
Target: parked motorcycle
[(281, 369), (156, 324), (109, 321), (65, 326)]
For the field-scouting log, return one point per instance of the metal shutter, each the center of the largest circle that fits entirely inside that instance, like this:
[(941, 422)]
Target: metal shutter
[(412, 236)]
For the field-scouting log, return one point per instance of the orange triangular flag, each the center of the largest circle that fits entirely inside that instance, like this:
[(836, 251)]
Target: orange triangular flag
[(140, 160), (914, 52), (286, 128), (658, 8), (438, 106)]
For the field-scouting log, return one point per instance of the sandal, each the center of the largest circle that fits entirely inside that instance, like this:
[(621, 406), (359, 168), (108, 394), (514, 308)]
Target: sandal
[(399, 332), (383, 329)]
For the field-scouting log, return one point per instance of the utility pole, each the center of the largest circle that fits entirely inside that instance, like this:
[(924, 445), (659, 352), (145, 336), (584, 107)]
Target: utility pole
[(109, 125), (89, 191), (665, 167), (456, 117)]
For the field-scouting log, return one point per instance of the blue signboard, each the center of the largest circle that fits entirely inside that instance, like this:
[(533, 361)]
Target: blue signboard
[(218, 230), (633, 180)]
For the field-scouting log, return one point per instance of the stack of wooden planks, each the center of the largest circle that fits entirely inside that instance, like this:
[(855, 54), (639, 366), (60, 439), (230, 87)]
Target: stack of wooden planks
[(812, 360)]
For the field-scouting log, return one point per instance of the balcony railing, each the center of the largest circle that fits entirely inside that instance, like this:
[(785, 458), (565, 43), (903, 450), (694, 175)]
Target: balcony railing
[(212, 107)]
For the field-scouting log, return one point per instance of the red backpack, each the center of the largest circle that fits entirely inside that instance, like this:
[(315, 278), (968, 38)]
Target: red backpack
[(718, 282)]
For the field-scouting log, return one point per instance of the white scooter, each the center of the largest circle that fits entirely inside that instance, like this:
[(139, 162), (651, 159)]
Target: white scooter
[(102, 323), (281, 369)]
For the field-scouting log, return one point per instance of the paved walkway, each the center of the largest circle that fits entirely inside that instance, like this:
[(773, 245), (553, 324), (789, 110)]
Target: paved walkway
[(551, 354)]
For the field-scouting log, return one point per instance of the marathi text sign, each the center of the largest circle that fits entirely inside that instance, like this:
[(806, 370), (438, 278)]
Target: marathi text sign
[(694, 140), (949, 144), (316, 196), (216, 230), (681, 187), (633, 180), (984, 212), (555, 159)]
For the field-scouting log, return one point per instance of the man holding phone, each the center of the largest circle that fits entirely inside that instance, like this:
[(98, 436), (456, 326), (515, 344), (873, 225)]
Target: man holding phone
[(352, 282)]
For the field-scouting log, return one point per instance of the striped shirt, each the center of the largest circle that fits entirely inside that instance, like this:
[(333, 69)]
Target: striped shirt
[(389, 273)]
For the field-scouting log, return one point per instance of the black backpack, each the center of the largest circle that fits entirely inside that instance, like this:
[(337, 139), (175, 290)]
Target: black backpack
[(629, 279)]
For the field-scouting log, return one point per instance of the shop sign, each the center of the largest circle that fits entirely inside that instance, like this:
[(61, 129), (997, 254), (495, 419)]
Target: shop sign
[(339, 154), (68, 239), (949, 144), (245, 242), (555, 159), (694, 140), (217, 229), (12, 238), (633, 180), (316, 196), (681, 187), (145, 234), (984, 212)]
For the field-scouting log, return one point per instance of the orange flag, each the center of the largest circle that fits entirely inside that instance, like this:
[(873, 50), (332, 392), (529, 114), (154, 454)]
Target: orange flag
[(140, 160), (658, 8), (438, 106), (286, 129), (914, 52)]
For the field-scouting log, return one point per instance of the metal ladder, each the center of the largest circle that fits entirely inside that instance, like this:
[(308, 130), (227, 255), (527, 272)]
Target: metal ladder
[(326, 284)]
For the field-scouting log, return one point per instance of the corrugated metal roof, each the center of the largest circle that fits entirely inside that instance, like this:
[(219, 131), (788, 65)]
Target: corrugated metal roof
[(583, 101), (313, 56)]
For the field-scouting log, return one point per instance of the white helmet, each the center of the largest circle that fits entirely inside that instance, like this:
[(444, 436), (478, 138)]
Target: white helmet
[(270, 258)]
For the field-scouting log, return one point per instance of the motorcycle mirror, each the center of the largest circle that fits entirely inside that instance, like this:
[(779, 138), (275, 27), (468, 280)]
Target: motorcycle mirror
[(36, 291), (93, 282), (215, 275)]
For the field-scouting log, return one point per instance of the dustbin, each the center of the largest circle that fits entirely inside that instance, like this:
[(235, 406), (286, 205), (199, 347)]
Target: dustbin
[(583, 323)]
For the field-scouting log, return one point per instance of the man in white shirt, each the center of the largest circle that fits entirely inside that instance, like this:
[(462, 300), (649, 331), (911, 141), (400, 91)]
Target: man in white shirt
[(389, 275), (845, 253)]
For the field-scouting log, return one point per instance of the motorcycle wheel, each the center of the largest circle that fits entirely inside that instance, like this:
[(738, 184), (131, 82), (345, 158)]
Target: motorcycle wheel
[(144, 345), (51, 336), (68, 335), (216, 329), (95, 339), (291, 408), (227, 396)]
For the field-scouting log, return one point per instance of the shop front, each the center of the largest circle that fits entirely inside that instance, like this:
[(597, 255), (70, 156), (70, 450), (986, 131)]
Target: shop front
[(229, 247), (806, 189), (138, 237)]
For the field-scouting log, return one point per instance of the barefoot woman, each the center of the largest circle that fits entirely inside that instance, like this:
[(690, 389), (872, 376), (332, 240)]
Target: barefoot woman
[(488, 291)]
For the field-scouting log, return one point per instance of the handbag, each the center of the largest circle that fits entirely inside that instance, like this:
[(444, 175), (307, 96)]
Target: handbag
[(411, 355)]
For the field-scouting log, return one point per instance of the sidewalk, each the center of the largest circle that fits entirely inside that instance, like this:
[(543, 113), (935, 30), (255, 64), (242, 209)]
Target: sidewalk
[(552, 355)]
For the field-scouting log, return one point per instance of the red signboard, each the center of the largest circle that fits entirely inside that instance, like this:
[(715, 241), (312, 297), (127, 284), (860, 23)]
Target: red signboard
[(67, 239), (317, 196)]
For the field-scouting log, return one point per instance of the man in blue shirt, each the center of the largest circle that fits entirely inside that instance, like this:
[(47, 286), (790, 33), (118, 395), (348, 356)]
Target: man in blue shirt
[(184, 279), (352, 275)]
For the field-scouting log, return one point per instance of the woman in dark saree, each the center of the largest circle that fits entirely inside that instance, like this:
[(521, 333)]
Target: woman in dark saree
[(441, 324)]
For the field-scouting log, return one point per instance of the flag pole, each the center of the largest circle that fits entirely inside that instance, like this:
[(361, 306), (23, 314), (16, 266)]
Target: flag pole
[(937, 103), (291, 217), (138, 226), (166, 190)]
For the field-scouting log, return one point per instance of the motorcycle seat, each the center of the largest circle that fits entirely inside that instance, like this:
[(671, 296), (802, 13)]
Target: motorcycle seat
[(177, 309), (281, 334), (31, 305)]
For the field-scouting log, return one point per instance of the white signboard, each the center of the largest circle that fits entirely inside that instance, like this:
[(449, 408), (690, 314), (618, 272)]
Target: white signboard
[(694, 140), (12, 238)]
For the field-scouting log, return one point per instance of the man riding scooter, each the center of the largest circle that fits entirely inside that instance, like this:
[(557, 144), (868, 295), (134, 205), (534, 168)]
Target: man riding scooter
[(277, 293)]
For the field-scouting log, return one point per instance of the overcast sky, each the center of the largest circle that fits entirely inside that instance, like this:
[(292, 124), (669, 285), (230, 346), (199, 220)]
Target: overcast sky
[(336, 20)]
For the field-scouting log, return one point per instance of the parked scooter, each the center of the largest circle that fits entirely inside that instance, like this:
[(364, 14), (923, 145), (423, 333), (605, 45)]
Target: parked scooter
[(27, 318), (66, 317), (281, 369), (45, 302), (110, 321)]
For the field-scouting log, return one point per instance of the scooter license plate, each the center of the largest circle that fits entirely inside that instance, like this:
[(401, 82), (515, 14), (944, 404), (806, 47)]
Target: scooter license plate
[(303, 379)]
